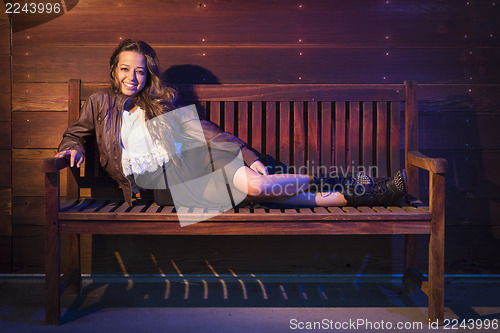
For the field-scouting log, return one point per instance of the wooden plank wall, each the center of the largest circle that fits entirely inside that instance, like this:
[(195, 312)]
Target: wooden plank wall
[(5, 147), (450, 47)]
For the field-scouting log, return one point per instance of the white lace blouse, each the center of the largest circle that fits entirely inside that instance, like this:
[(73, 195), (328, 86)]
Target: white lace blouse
[(139, 153)]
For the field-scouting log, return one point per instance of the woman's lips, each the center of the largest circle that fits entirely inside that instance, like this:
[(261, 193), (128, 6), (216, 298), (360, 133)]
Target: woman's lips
[(129, 86)]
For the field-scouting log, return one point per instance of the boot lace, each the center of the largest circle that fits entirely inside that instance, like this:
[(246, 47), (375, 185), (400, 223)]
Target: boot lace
[(380, 188)]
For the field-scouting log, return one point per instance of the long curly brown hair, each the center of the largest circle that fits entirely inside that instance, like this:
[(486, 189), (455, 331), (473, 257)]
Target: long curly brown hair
[(155, 98)]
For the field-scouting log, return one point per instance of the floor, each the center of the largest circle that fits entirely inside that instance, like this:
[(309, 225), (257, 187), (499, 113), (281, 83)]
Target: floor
[(253, 303)]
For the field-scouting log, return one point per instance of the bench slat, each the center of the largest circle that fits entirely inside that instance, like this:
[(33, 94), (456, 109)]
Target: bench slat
[(299, 140), (243, 122), (395, 137), (259, 214), (351, 210), (366, 210), (166, 210), (368, 135), (290, 211), (256, 127), (326, 138), (80, 205), (291, 92), (354, 126), (313, 134), (271, 136), (340, 136), (379, 209), (109, 207), (229, 117), (215, 111), (382, 141), (64, 206), (121, 208), (284, 150), (153, 209), (299, 227)]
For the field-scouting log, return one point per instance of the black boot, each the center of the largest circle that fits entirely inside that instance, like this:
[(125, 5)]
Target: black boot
[(382, 193), (340, 184)]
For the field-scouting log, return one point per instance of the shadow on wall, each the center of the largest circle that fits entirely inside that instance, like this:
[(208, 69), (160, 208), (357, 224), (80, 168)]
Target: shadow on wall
[(23, 20), (183, 77)]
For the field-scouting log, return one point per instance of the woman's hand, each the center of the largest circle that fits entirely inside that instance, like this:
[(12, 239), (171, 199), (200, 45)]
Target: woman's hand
[(259, 167), (73, 155)]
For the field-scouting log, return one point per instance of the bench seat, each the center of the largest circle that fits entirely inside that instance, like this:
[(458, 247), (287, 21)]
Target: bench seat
[(107, 217)]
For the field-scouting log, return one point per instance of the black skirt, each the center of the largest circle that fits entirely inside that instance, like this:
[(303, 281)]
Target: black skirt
[(199, 178)]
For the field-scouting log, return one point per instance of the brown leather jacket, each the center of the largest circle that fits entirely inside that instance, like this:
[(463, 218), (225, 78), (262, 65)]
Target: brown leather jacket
[(102, 114)]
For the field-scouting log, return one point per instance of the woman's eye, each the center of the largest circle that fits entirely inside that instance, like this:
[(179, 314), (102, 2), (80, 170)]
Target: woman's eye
[(140, 72)]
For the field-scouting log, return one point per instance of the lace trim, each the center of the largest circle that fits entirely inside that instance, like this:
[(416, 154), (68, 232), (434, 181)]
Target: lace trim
[(149, 162)]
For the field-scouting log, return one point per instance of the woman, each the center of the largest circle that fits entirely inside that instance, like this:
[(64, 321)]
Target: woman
[(140, 151)]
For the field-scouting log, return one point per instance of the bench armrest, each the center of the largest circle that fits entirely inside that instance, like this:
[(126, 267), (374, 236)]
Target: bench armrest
[(433, 165), (54, 164)]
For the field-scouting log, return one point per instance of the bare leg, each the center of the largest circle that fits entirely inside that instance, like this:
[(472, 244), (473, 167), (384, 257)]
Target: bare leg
[(283, 188)]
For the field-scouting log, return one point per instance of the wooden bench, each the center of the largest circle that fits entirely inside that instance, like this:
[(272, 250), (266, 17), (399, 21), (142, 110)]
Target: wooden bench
[(291, 125)]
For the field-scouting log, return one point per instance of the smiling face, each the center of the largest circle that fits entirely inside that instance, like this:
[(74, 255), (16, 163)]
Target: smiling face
[(131, 73)]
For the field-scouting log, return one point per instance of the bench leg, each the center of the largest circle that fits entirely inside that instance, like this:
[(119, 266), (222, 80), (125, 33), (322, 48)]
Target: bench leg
[(410, 261), (52, 250), (74, 270), (436, 249)]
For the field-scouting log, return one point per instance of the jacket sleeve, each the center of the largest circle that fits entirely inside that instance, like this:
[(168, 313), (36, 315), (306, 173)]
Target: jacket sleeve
[(213, 134), (75, 135)]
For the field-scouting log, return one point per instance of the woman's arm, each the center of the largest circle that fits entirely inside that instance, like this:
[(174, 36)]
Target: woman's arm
[(73, 141), (204, 130)]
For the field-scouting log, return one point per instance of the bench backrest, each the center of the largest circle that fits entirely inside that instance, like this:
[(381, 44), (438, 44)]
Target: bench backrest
[(303, 128)]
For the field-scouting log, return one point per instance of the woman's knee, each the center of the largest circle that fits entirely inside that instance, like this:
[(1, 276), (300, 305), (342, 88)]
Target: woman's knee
[(249, 182)]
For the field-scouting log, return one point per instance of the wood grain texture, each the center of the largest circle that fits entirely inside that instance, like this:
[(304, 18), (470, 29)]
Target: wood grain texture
[(299, 133), (229, 117), (237, 65), (28, 211), (5, 135), (340, 136), (354, 126), (284, 92), (91, 210), (285, 157), (443, 131), (383, 147), (4, 34), (5, 68), (257, 228), (436, 246), (272, 138), (470, 98), (424, 23), (6, 254), (313, 137), (5, 212), (368, 152), (6, 168), (40, 97), (433, 98), (243, 121), (30, 129), (27, 180), (256, 138), (52, 249), (5, 107), (28, 249), (395, 137), (327, 146)]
